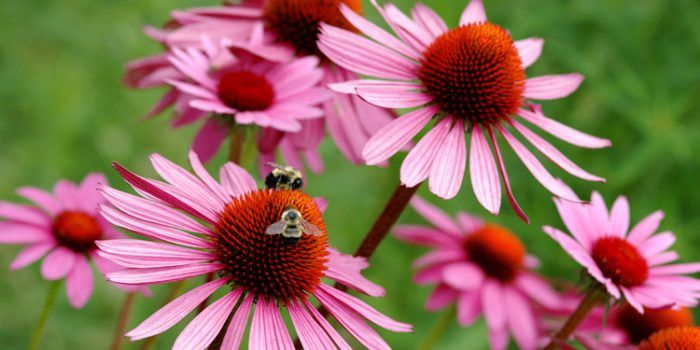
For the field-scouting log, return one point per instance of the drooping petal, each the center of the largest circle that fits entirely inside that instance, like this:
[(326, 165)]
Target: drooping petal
[(435, 216), (645, 228), (144, 254), (43, 199), (234, 333), (202, 330), (31, 254), (312, 336), (209, 139), (58, 263), (483, 172), (504, 175), (395, 135), (24, 214), (21, 233), (417, 165), (561, 131), (346, 270), (447, 170), (268, 330), (463, 276), (468, 308), (495, 312), (521, 320), (79, 283), (174, 311)]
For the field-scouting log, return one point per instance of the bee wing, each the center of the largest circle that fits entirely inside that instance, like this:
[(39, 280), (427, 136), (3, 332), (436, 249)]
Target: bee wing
[(275, 165), (276, 228), (310, 229)]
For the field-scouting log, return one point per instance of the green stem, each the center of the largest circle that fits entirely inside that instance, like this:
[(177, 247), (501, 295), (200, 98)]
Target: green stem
[(440, 327), (592, 298), (48, 305), (124, 313)]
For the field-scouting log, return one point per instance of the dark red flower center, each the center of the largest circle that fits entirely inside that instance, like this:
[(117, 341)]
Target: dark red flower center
[(640, 326), (620, 261), (270, 265), (245, 91), (76, 230), (474, 72), (297, 21), (679, 338), (497, 251)]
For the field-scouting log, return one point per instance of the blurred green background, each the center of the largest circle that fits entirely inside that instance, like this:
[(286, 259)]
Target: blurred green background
[(64, 113)]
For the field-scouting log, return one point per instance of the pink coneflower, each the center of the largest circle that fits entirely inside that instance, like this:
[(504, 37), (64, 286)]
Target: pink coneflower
[(295, 23), (468, 80), (484, 269), (634, 264), (247, 89), (64, 226), (203, 226)]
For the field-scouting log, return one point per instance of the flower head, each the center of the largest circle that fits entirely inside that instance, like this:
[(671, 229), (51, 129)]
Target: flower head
[(468, 80), (485, 269), (673, 338), (63, 226), (632, 264), (200, 226)]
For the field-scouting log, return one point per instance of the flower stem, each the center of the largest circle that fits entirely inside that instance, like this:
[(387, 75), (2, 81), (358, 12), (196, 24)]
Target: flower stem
[(48, 305), (439, 328), (393, 209), (235, 145), (123, 319), (593, 296), (149, 343)]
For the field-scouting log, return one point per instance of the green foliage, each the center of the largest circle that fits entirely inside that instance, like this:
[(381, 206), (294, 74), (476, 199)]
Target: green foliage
[(64, 112)]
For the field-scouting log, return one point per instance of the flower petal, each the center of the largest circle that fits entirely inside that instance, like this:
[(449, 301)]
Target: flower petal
[(79, 283), (551, 87), (483, 172), (447, 169), (417, 165), (204, 328), (58, 263), (234, 333), (395, 135), (561, 131), (529, 50), (268, 330), (473, 13)]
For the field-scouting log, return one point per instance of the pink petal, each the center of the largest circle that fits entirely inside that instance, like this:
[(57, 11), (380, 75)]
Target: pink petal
[(67, 193), (554, 154), (468, 223), (442, 296), (483, 172), (19, 233), (43, 199), (209, 139), (175, 311), (311, 335), (162, 274), (562, 131), (144, 254), (579, 222), (268, 330), (529, 50), (339, 341), (495, 312), (166, 101), (24, 214), (645, 228), (364, 56), (657, 243), (423, 236), (346, 269), (463, 276), (677, 269), (235, 180), (447, 170), (361, 308), (536, 168), (90, 197), (429, 20), (79, 283), (31, 254), (417, 165), (156, 190), (152, 230), (378, 34), (504, 175), (538, 290), (202, 330), (185, 181), (58, 263), (193, 90), (234, 333), (551, 87), (473, 13), (435, 216), (620, 217), (498, 339), (210, 106), (394, 96), (395, 135), (521, 319), (468, 308), (407, 29), (354, 324)]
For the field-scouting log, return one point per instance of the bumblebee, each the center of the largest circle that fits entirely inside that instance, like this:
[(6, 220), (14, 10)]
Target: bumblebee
[(284, 177), (292, 225)]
